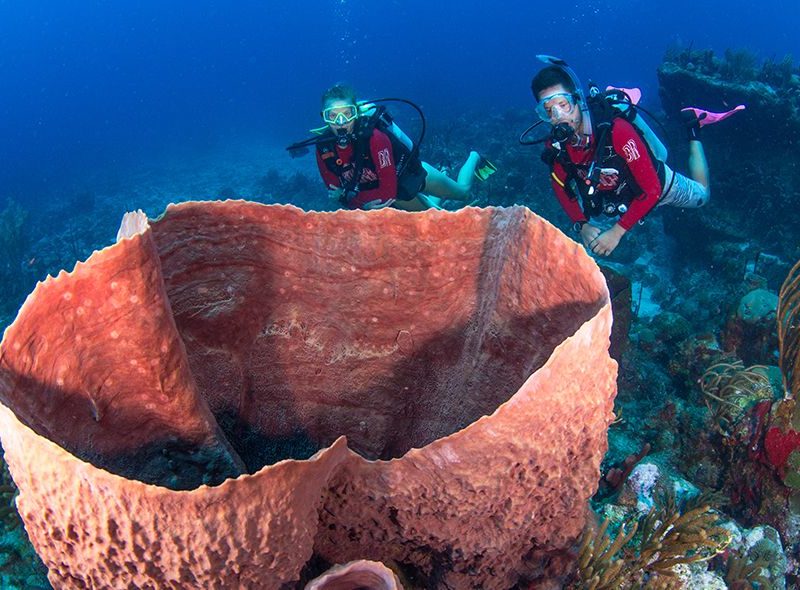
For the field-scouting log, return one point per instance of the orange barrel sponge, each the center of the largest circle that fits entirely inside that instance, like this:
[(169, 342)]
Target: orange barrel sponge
[(234, 388)]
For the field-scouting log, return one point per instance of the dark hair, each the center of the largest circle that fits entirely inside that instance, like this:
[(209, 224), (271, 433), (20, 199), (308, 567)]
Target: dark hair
[(551, 76), (339, 92)]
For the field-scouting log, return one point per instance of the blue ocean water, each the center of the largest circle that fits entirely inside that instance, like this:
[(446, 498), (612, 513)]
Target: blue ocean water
[(96, 84), (108, 106)]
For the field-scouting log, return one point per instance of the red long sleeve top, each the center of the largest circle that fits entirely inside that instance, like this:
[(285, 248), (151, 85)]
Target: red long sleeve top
[(641, 169), (378, 183)]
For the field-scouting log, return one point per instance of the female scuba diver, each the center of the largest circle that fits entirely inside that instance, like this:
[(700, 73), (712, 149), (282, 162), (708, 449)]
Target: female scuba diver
[(367, 162)]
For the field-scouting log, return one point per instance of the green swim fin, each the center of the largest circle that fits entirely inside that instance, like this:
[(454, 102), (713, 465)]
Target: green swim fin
[(484, 169)]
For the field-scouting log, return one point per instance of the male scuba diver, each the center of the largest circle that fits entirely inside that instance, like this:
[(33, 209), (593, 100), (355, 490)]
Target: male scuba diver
[(602, 158), (367, 162)]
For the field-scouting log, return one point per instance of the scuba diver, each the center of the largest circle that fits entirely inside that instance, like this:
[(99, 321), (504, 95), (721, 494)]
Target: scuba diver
[(600, 151), (367, 162)]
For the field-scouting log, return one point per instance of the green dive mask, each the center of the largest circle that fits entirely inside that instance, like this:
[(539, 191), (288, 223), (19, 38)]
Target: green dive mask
[(340, 115)]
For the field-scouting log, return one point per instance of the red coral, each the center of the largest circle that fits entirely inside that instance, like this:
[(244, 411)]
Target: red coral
[(759, 420), (778, 445), (618, 474)]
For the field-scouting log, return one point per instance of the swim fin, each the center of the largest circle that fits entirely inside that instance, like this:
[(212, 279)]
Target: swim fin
[(708, 117), (484, 169)]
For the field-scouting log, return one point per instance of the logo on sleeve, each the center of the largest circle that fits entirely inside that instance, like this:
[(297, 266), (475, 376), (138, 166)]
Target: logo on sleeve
[(384, 159), (631, 151)]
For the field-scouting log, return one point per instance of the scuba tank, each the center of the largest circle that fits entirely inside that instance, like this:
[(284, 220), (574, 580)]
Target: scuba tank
[(368, 109), (622, 100)]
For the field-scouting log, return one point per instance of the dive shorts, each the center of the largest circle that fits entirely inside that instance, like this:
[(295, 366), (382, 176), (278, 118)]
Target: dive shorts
[(685, 192), (412, 181)]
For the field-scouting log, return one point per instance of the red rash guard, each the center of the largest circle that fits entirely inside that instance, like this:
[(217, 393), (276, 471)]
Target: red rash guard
[(378, 180), (630, 147)]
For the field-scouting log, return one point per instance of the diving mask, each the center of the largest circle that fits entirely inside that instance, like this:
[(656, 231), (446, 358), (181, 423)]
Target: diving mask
[(556, 107), (340, 115)]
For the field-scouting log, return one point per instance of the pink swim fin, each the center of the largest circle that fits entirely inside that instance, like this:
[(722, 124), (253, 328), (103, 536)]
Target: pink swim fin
[(709, 117), (633, 93)]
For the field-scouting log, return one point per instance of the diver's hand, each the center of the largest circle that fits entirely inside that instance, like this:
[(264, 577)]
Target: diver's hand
[(588, 234), (335, 192), (604, 244)]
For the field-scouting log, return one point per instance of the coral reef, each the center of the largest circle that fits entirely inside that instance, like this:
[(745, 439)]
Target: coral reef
[(13, 229), (236, 324), (754, 437), (619, 288), (19, 565), (751, 333), (737, 65), (9, 518), (744, 574), (14, 262), (647, 548), (744, 445), (730, 391), (616, 475), (689, 273), (748, 153), (738, 78), (788, 316)]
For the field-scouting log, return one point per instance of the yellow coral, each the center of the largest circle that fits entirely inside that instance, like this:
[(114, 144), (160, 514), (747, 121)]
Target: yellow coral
[(667, 537), (744, 573)]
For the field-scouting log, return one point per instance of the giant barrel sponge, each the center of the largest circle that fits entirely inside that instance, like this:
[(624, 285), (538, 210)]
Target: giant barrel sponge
[(234, 388)]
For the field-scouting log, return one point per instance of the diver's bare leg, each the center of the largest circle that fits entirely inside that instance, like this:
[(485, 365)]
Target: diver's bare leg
[(440, 185), (414, 204), (698, 165)]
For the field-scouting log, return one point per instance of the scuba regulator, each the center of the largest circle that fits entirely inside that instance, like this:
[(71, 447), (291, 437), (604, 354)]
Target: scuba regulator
[(559, 133)]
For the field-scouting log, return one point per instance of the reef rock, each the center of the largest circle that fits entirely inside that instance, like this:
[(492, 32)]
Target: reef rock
[(751, 332), (770, 106), (757, 307), (747, 153), (464, 356), (619, 288)]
